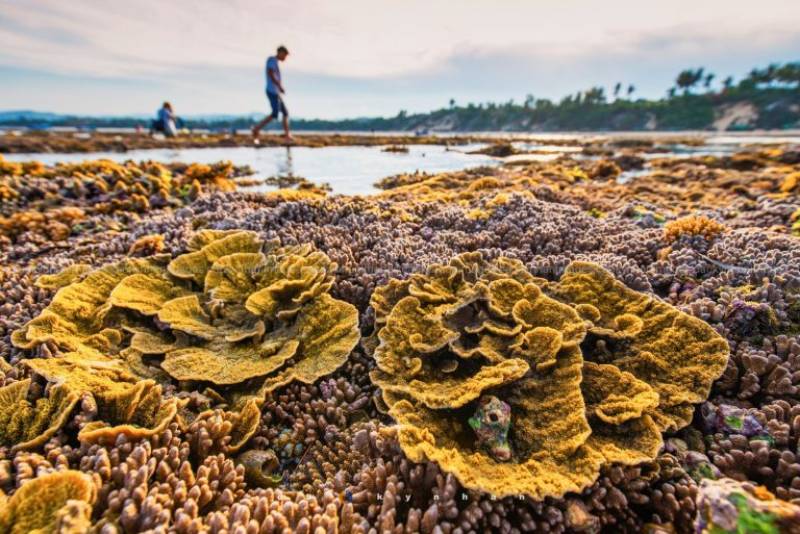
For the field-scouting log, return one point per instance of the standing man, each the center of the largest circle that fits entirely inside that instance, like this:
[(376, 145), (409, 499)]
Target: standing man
[(274, 91)]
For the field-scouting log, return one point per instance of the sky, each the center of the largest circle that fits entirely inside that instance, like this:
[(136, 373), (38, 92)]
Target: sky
[(356, 58)]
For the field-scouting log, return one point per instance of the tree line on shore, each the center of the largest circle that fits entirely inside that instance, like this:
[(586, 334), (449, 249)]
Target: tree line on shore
[(772, 94)]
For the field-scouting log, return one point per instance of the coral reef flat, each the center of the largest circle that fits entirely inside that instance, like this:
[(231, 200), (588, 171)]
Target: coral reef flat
[(66, 142), (605, 341)]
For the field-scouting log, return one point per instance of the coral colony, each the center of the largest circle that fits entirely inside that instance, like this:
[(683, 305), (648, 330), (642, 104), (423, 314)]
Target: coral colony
[(537, 347)]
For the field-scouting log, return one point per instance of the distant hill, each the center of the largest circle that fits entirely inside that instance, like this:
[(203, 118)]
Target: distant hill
[(767, 98), (27, 115), (768, 109)]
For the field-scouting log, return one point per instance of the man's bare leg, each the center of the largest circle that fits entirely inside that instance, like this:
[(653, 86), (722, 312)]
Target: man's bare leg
[(286, 134), (258, 127)]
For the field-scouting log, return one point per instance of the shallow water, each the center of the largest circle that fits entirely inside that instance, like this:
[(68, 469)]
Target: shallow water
[(353, 170), (350, 170)]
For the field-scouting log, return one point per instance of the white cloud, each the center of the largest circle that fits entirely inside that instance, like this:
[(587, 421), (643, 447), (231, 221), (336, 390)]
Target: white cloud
[(358, 57), (350, 38)]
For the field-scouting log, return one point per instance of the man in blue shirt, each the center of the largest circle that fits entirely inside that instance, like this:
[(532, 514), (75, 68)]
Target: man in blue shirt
[(274, 91)]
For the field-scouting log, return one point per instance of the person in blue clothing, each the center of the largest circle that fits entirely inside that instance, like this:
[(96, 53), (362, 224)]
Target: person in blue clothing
[(165, 121), (274, 91)]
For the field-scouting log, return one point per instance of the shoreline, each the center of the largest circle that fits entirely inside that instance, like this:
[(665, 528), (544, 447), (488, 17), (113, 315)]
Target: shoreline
[(18, 142), (67, 142)]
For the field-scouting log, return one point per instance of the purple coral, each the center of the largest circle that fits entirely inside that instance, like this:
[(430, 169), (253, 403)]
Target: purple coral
[(731, 420), (491, 423)]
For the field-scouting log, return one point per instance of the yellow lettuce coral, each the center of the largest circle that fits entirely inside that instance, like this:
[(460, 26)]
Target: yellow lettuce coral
[(677, 355), (137, 412), (64, 277), (217, 174), (38, 505), (25, 425), (488, 371), (124, 403), (241, 314)]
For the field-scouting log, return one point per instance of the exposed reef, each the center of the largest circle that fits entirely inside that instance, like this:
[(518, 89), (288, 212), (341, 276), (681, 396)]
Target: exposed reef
[(544, 347), (11, 142)]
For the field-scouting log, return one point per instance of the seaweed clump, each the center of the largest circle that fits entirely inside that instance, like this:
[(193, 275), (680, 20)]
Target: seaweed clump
[(235, 314), (694, 225), (591, 372), (729, 506)]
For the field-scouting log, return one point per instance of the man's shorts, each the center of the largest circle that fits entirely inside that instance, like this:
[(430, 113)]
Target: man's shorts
[(277, 105)]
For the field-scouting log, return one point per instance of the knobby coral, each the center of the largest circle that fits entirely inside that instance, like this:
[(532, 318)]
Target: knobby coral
[(591, 372), (234, 313)]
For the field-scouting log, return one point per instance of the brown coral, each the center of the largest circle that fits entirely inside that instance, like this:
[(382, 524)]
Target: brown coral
[(604, 170), (744, 283), (147, 245), (693, 225), (449, 338)]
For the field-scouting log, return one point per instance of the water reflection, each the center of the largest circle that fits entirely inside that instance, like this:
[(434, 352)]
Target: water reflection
[(286, 166), (349, 170), (353, 170)]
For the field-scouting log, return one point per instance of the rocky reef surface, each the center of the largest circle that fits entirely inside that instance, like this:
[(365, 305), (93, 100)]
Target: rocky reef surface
[(542, 347), (70, 142)]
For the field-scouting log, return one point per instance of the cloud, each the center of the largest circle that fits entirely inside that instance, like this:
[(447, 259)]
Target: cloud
[(353, 38), (353, 57)]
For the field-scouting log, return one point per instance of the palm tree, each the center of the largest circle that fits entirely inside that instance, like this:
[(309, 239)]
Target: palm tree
[(727, 82), (529, 101), (771, 73), (708, 79), (452, 103), (595, 95), (699, 74), (684, 80), (789, 74), (631, 89), (689, 78), (617, 89)]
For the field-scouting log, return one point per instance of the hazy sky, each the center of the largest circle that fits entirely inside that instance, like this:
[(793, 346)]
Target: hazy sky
[(364, 58)]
